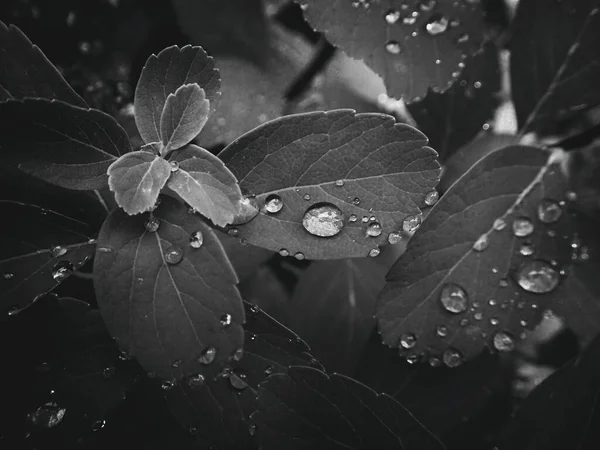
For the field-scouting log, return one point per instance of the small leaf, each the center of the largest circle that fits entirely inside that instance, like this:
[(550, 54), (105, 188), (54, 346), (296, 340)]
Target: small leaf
[(136, 179), (62, 144), (26, 72), (203, 181), (555, 62), (364, 165), (162, 296), (185, 114), (162, 75), (307, 408), (412, 49)]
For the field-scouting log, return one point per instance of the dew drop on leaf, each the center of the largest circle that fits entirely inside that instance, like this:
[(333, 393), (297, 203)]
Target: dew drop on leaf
[(97, 425), (237, 381), (268, 370), (434, 361), (374, 252), (365, 219), (437, 24), (408, 340), (352, 218), (196, 380), (392, 16), (538, 276), (494, 321), (452, 357), (299, 256), (394, 237), (571, 196), (374, 229), (431, 198), (252, 429), (306, 197), (478, 316), (411, 223), (323, 220), (225, 320), (233, 232), (339, 183), (273, 203), (454, 299), (462, 38), (57, 251), (503, 342), (284, 252), (549, 211), (499, 224), (441, 331), (393, 47), (152, 224), (482, 243), (208, 355), (522, 227), (196, 239), (427, 5), (356, 201), (527, 249), (174, 255), (47, 416), (238, 354), (174, 166), (62, 270), (167, 385), (8, 276), (412, 358), (108, 372)]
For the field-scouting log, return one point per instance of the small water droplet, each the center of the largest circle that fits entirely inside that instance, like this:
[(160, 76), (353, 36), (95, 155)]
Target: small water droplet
[(454, 299), (441, 331), (365, 219), (57, 251), (411, 223), (8, 275), (193, 431), (167, 385), (225, 320), (196, 381), (527, 249), (394, 237), (196, 239), (273, 203), (374, 229), (549, 211), (431, 198), (427, 5), (522, 227), (503, 342), (437, 24), (284, 252), (208, 355), (410, 20), (299, 256), (503, 282), (233, 232), (571, 196), (374, 252), (408, 340), (356, 201), (538, 276), (306, 197), (452, 357), (174, 166), (523, 323), (434, 361), (393, 47), (108, 372), (478, 316), (252, 429), (462, 38), (238, 354), (477, 85), (98, 425), (152, 224), (62, 270), (482, 243), (323, 219), (268, 370), (464, 322), (392, 16), (352, 218), (237, 381), (174, 255), (339, 183), (499, 224), (494, 321), (48, 415), (492, 302)]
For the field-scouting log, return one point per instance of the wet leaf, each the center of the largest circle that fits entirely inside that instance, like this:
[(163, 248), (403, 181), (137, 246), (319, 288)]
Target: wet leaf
[(161, 297), (362, 164), (245, 258), (555, 62), (203, 181), (487, 261), (62, 144), (306, 407), (185, 113), (400, 43), (26, 72), (137, 178), (162, 75), (453, 118), (217, 411)]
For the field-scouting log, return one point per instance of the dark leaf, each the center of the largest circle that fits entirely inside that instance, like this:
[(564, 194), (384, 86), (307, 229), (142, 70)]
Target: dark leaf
[(162, 75), (453, 118), (62, 144), (137, 178), (357, 166), (184, 116), (487, 261), (164, 286), (245, 258), (26, 72), (306, 408), (203, 181), (555, 62), (217, 409), (412, 49)]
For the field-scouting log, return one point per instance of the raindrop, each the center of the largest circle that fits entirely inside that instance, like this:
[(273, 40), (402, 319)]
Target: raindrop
[(273, 203), (452, 357), (374, 229), (123, 356), (571, 196), (174, 166), (523, 323), (299, 256), (57, 251), (47, 416), (193, 431), (323, 219), (196, 239), (522, 227), (394, 237), (167, 385), (8, 276), (208, 355), (492, 302), (374, 252), (177, 363), (268, 370), (503, 342), (549, 211), (434, 361), (431, 198), (237, 381), (62, 270), (225, 320), (284, 252), (462, 38), (538, 276), (526, 249), (306, 197), (494, 321), (152, 224), (503, 282), (441, 331), (427, 5), (252, 429), (412, 358), (365, 219), (174, 255), (352, 218), (408, 340), (392, 16), (436, 25), (356, 201), (482, 243), (499, 224), (477, 85), (98, 425), (233, 232), (464, 322), (393, 47), (108, 372), (454, 299), (478, 316), (339, 183), (411, 223), (238, 354), (196, 380)]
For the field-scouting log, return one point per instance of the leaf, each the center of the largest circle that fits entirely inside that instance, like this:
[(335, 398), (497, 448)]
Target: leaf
[(217, 410), (203, 181), (185, 114), (385, 170), (307, 408), (26, 72), (395, 42), (555, 62), (453, 118), (163, 293), (468, 271), (563, 411), (162, 75), (245, 259), (137, 178), (59, 143)]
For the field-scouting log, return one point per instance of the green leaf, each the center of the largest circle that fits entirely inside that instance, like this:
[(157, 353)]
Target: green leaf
[(167, 291), (26, 72), (62, 144), (162, 75), (136, 179), (184, 116), (203, 181), (364, 165)]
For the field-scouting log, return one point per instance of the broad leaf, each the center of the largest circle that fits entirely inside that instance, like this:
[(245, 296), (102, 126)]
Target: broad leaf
[(167, 291), (413, 47), (203, 181), (62, 144), (26, 72), (137, 178), (453, 118), (306, 408), (162, 75), (356, 166), (217, 410), (555, 62), (493, 253), (184, 116), (245, 259)]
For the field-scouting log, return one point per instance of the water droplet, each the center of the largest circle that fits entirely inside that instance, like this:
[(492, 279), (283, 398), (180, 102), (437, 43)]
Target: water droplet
[(196, 239), (374, 229), (431, 198), (492, 302), (152, 224), (352, 218), (482, 243), (374, 252), (273, 203), (268, 370), (393, 47), (306, 197), (408, 340), (208, 355), (441, 331), (62, 270), (237, 381), (57, 251), (284, 252), (462, 38), (47, 416), (503, 282), (238, 354), (527, 249), (339, 183), (494, 321), (428, 5), (522, 227), (193, 431), (225, 320), (464, 322), (434, 361), (108, 372), (411, 223), (167, 385), (452, 357), (197, 380), (174, 255), (394, 237), (365, 219), (98, 425), (549, 211), (252, 429), (478, 316), (8, 276), (409, 20), (538, 276), (392, 16), (233, 232), (523, 323), (503, 342), (174, 166), (437, 24), (323, 219), (499, 224), (356, 201), (123, 356), (454, 299), (412, 358), (571, 196), (299, 256)]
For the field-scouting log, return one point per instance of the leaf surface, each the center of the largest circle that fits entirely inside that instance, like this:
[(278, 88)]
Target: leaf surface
[(164, 293), (62, 144), (363, 164), (137, 178)]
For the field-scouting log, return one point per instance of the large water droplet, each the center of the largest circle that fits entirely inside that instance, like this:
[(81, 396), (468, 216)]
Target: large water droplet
[(408, 340), (549, 211), (374, 229), (503, 342), (394, 237), (522, 227), (196, 239), (47, 416), (482, 243), (392, 16), (452, 357), (437, 24), (174, 255), (323, 219), (208, 355), (538, 276), (152, 224), (237, 381), (62, 270), (431, 198), (411, 223), (273, 203), (393, 47), (225, 320), (57, 251), (454, 299)]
